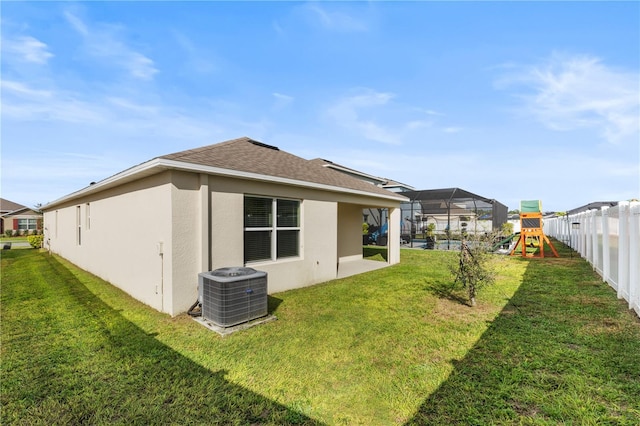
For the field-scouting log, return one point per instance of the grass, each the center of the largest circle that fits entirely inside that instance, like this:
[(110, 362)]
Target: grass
[(6, 239), (378, 253), (547, 344)]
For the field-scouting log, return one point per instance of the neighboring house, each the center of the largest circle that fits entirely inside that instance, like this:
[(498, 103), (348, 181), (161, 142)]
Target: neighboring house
[(596, 205), (18, 218), (451, 210), (152, 228)]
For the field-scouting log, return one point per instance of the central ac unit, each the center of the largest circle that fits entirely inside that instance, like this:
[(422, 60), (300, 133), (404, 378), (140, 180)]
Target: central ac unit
[(231, 296)]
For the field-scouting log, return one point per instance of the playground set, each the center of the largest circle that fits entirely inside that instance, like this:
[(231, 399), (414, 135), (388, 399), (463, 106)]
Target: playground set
[(531, 233)]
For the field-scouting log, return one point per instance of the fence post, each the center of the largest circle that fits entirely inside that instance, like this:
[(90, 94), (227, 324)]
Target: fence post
[(606, 261), (595, 252), (578, 234), (583, 234), (634, 257), (573, 235), (589, 240), (623, 250)]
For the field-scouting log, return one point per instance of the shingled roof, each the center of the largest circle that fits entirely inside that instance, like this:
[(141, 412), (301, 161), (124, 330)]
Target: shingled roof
[(250, 156), (9, 206), (241, 158)]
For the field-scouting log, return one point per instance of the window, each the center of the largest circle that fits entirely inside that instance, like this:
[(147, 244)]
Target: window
[(266, 239), (78, 226), (88, 216), (27, 224)]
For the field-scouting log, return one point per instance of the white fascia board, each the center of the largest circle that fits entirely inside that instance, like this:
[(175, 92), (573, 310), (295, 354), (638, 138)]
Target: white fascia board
[(128, 175), (159, 164), (274, 179)]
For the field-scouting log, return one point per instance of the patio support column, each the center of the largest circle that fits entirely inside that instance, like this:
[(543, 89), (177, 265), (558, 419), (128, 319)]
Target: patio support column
[(393, 240)]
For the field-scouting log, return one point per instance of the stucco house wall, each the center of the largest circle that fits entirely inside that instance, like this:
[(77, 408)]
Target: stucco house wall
[(152, 230), (119, 230)]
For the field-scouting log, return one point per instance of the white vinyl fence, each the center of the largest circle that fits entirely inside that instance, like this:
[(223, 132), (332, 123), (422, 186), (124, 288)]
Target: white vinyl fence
[(609, 239)]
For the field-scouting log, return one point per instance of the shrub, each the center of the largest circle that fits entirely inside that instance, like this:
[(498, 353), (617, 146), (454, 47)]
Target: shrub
[(8, 233), (35, 240), (507, 228), (473, 270)]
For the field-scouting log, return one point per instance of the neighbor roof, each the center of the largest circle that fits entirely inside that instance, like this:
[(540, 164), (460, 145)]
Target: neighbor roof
[(376, 180), (9, 206), (443, 197), (243, 158), (446, 200), (596, 205)]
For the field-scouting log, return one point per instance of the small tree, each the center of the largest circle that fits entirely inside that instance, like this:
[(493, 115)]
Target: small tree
[(507, 228), (473, 270), (431, 229)]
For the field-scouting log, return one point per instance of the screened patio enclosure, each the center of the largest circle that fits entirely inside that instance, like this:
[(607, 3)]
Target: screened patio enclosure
[(436, 217)]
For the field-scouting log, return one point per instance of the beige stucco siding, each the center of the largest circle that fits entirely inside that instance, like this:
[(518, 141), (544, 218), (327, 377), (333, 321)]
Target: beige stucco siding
[(317, 260), (182, 261), (119, 242), (349, 232)]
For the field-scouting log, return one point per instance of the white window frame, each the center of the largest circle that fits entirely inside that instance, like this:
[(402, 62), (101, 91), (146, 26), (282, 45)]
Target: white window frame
[(78, 226), (32, 224), (274, 228)]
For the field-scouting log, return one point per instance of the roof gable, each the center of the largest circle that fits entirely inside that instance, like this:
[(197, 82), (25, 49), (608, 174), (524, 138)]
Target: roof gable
[(9, 206), (25, 211)]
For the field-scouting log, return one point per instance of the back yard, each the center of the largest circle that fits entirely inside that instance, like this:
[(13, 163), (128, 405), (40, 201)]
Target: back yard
[(547, 344)]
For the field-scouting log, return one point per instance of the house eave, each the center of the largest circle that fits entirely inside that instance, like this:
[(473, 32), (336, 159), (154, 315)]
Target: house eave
[(158, 165)]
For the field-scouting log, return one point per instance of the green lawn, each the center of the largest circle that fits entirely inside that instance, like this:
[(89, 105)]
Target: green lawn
[(5, 239), (547, 344)]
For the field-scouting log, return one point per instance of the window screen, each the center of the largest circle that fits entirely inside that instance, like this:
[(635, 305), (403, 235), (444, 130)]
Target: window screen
[(265, 239)]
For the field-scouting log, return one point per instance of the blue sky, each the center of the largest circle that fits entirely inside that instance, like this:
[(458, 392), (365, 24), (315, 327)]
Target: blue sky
[(509, 100)]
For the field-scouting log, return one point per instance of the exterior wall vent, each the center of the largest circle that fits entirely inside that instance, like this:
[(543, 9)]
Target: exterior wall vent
[(231, 296)]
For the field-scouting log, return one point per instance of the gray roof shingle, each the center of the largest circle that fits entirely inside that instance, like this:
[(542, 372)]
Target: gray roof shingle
[(247, 155)]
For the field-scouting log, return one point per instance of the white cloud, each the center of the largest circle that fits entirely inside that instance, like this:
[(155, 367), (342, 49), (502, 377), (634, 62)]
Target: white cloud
[(281, 101), (76, 23), (25, 103), (375, 116), (28, 49), (347, 112), (197, 59), (104, 42), (335, 20), (23, 90), (567, 93)]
